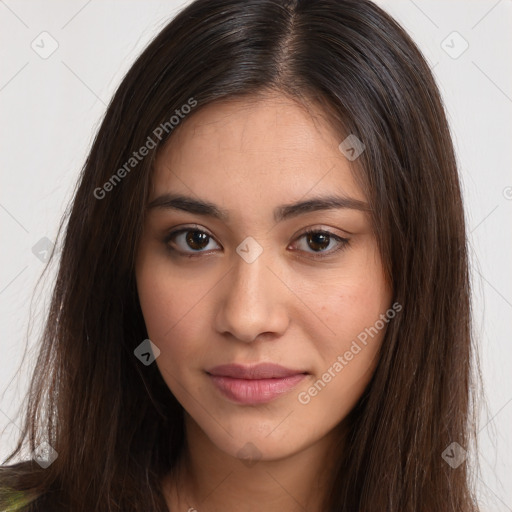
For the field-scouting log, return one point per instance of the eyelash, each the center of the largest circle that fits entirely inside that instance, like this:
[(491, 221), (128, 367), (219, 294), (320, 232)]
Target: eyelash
[(342, 242)]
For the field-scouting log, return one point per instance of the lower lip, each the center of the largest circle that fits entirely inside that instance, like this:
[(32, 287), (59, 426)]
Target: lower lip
[(257, 391)]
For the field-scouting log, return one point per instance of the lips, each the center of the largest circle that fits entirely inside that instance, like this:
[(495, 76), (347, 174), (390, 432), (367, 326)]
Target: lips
[(253, 385), (259, 371)]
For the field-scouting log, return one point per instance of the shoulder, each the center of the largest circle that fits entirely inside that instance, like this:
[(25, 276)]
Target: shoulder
[(18, 489), (25, 501)]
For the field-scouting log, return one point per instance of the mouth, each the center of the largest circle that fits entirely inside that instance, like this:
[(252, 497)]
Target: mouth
[(252, 385)]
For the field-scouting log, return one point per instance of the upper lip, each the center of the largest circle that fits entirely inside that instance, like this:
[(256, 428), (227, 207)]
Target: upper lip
[(258, 371)]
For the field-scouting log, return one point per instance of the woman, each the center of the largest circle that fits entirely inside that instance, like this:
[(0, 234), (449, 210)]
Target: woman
[(263, 298)]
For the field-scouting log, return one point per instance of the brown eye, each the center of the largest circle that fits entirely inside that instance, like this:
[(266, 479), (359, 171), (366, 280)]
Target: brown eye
[(196, 240), (318, 241), (322, 243), (189, 241)]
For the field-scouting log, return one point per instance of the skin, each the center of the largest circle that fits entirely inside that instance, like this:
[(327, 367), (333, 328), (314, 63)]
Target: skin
[(248, 157)]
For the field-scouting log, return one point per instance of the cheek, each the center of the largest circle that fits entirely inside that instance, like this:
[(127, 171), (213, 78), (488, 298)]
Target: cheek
[(157, 301), (172, 307), (353, 311), (157, 296), (362, 293), (358, 308)]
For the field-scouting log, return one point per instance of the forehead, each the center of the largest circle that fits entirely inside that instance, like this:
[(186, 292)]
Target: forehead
[(258, 147)]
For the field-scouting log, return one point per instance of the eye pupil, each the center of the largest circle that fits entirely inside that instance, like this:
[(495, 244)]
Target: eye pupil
[(197, 240), (318, 238)]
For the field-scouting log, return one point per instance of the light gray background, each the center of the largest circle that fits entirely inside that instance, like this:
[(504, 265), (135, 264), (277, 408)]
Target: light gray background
[(51, 107)]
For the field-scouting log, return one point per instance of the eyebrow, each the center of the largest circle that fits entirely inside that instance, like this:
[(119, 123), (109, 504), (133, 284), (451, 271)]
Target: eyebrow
[(283, 212)]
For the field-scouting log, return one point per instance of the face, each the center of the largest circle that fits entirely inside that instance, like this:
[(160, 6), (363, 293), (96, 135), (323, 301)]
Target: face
[(249, 279)]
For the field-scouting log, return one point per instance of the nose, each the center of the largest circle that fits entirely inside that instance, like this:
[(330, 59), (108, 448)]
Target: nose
[(252, 301)]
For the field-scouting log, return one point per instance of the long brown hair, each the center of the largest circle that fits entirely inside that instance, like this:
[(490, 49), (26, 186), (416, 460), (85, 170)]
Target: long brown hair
[(115, 425)]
